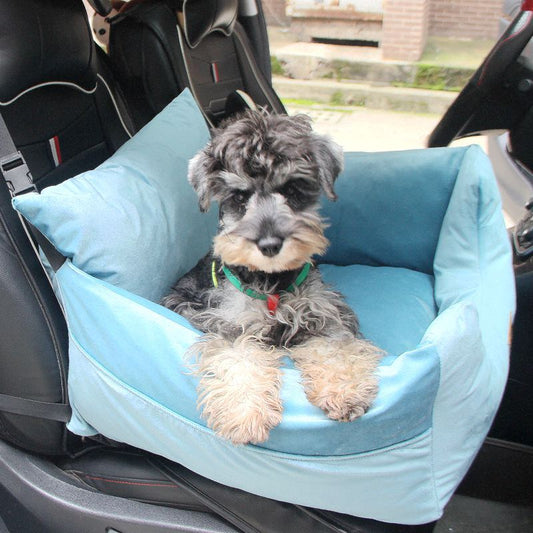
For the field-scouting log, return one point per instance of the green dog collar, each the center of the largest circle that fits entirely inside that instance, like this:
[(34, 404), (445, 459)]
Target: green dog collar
[(271, 299)]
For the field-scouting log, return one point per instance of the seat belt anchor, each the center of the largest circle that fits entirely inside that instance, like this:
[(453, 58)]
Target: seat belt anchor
[(16, 174)]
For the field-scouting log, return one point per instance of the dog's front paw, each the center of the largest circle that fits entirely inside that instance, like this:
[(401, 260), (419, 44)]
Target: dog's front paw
[(243, 422), (339, 376), (345, 397), (239, 389)]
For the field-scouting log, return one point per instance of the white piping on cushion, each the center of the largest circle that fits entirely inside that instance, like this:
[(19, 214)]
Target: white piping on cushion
[(50, 83), (112, 96)]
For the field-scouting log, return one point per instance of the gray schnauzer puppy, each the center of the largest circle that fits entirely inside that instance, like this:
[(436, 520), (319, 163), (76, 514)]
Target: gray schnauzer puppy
[(257, 296)]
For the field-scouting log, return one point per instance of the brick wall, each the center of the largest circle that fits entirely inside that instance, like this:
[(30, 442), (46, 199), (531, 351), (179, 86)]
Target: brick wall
[(406, 23), (405, 27), (470, 19)]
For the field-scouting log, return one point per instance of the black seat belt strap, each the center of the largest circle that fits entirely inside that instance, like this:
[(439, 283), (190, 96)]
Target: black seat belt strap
[(60, 412), (18, 178), (55, 258)]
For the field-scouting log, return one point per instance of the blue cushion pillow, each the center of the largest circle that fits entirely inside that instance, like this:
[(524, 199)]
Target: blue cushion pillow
[(134, 220)]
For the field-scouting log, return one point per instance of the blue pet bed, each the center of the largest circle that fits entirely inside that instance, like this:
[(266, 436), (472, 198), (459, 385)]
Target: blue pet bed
[(418, 247)]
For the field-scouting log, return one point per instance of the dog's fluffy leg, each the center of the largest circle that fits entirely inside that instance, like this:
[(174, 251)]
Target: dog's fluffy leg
[(239, 387), (339, 376)]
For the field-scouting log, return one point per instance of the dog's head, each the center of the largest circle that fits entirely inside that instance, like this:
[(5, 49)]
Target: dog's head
[(267, 173)]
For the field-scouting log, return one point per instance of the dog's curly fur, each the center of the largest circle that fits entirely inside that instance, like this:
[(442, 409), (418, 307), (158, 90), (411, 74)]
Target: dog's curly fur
[(267, 173)]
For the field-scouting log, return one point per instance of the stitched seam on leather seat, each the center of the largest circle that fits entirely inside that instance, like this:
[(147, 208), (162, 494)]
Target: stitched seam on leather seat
[(124, 482)]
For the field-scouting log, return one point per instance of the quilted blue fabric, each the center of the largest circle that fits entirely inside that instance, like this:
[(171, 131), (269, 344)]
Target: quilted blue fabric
[(420, 250)]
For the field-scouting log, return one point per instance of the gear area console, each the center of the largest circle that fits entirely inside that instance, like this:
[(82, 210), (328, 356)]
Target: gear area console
[(513, 422), (523, 236)]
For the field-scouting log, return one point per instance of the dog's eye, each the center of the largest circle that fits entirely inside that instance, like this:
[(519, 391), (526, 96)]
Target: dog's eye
[(300, 193), (240, 197), (289, 190)]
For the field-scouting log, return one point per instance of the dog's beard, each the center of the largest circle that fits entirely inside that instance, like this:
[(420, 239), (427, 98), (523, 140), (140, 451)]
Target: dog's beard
[(297, 249)]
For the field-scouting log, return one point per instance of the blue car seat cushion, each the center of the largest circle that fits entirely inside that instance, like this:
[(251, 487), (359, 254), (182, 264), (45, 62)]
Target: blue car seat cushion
[(418, 248), (395, 306), (133, 221)]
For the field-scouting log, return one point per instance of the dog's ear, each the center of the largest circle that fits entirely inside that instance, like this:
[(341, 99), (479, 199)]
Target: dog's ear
[(329, 157), (200, 176)]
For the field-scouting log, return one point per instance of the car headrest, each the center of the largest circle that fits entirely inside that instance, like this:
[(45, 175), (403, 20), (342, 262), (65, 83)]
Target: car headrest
[(202, 17), (43, 43), (102, 7)]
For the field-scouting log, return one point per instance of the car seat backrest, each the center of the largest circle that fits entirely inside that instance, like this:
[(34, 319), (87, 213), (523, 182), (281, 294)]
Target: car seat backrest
[(196, 25), (102, 7), (22, 35), (65, 116), (159, 48)]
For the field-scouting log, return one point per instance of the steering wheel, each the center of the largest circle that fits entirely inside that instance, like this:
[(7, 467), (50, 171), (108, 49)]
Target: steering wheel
[(488, 76)]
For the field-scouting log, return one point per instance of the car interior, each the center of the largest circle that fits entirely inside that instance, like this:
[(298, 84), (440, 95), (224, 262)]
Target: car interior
[(68, 105), (214, 57)]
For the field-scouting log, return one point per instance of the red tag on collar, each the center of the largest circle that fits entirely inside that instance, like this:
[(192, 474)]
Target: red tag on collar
[(272, 302)]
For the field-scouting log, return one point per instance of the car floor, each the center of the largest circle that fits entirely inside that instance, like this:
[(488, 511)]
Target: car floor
[(465, 514)]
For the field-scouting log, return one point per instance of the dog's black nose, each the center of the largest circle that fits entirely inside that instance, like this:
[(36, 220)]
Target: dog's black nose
[(270, 246)]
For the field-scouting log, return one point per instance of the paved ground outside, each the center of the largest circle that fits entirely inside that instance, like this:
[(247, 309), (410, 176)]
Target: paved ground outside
[(374, 130), (386, 117)]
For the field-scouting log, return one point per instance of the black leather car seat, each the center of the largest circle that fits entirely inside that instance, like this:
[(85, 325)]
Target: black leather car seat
[(65, 116), (159, 48)]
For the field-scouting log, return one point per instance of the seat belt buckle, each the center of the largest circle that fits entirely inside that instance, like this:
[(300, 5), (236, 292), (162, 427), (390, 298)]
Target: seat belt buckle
[(16, 174)]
